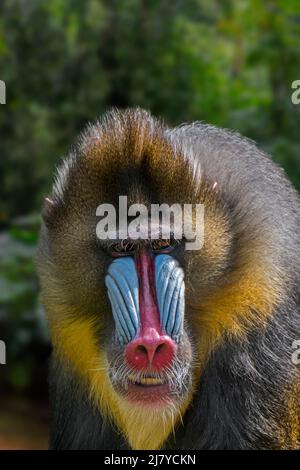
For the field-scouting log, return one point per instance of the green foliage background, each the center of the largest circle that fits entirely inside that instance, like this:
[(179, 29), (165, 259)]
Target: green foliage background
[(65, 62)]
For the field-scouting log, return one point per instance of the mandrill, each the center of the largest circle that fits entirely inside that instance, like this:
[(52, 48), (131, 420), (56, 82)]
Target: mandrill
[(156, 346)]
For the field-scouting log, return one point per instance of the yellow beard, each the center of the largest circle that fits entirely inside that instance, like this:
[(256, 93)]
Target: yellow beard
[(144, 428)]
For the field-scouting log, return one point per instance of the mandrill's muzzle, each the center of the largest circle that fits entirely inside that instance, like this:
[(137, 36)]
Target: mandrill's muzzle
[(147, 300)]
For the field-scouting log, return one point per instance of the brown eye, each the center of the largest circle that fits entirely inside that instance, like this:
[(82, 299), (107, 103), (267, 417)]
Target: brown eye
[(122, 248), (164, 245)]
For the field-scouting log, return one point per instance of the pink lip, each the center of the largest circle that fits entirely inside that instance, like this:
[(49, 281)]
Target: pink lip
[(155, 395)]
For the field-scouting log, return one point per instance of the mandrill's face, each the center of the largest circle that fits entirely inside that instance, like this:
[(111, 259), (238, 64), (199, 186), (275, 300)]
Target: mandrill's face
[(129, 317), (150, 354)]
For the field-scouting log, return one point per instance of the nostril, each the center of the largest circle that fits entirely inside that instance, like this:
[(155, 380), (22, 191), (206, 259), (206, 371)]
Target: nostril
[(142, 349), (160, 348)]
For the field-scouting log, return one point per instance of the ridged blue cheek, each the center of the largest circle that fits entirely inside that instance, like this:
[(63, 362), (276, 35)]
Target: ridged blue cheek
[(122, 286), (170, 291)]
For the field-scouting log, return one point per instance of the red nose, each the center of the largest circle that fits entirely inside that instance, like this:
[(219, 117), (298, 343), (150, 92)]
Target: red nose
[(150, 350)]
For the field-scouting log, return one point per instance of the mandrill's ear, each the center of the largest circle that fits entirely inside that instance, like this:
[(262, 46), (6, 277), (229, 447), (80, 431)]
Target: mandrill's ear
[(48, 210)]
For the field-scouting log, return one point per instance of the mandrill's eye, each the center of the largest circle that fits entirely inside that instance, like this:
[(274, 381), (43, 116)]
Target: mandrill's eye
[(164, 245), (122, 248), (128, 247)]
